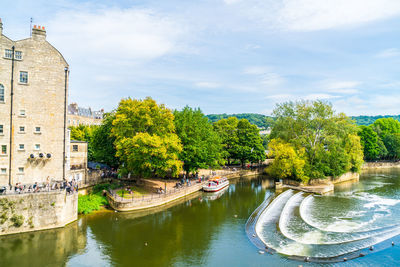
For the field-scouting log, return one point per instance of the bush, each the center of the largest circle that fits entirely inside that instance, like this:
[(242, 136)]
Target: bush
[(18, 220), (89, 203)]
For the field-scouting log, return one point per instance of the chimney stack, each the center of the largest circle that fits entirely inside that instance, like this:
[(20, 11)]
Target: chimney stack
[(1, 27), (38, 33)]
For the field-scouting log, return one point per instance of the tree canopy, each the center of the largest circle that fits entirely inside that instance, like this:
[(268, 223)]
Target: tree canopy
[(145, 138), (202, 146), (329, 141)]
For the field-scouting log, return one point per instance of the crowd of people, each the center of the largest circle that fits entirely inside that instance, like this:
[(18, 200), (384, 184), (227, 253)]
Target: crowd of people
[(19, 188)]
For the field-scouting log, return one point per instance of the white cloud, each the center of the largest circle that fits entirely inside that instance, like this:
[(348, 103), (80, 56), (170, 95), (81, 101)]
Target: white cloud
[(207, 85), (319, 97), (387, 53), (340, 87), (256, 70), (230, 2), (314, 15), (272, 79), (114, 34)]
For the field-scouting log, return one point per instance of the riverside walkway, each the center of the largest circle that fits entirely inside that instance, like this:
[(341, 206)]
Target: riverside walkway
[(152, 200)]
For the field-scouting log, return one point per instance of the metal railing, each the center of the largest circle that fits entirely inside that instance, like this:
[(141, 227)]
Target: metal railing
[(39, 188)]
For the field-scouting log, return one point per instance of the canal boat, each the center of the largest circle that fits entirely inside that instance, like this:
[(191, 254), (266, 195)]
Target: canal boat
[(216, 184)]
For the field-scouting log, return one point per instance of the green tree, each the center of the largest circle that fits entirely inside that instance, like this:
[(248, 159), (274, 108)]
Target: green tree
[(288, 163), (314, 127), (386, 126), (84, 133), (249, 147), (227, 130), (103, 142), (146, 141), (202, 146), (392, 144), (371, 143)]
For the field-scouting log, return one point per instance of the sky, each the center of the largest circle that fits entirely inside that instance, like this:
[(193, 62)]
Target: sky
[(224, 56)]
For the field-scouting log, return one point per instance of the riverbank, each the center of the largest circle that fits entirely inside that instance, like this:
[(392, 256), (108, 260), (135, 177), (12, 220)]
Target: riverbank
[(119, 203), (381, 165)]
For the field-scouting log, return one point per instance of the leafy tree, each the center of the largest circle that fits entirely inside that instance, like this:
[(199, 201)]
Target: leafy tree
[(392, 144), (84, 133), (202, 146), (146, 141), (370, 142), (249, 147), (227, 130), (103, 142), (288, 163), (314, 127), (386, 126), (261, 121)]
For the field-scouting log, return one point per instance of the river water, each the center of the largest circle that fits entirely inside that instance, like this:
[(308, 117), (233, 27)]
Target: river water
[(209, 230)]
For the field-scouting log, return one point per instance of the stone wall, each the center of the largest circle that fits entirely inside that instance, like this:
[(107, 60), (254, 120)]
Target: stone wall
[(381, 164), (38, 211)]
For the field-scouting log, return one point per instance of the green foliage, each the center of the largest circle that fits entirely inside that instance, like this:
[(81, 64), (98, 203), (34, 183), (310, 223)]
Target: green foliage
[(328, 140), (249, 147), (103, 142), (288, 163), (241, 140), (18, 220), (261, 121), (386, 126), (202, 146), (90, 203), (371, 143), (145, 138), (392, 144), (84, 133), (368, 120)]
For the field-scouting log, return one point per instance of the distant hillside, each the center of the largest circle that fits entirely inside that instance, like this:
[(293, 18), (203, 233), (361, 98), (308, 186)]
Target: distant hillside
[(262, 122), (257, 119), (368, 120)]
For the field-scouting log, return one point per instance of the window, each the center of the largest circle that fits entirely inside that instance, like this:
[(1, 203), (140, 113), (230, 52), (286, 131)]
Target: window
[(37, 146), (4, 149), (18, 55), (75, 148), (8, 53), (22, 112), (21, 129), (1, 93), (3, 171), (23, 77), (21, 147), (21, 169), (37, 129), (1, 129)]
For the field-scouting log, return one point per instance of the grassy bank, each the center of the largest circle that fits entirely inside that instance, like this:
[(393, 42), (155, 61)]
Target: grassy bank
[(95, 199)]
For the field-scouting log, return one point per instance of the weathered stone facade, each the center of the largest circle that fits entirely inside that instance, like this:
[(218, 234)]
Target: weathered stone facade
[(77, 161), (83, 116), (38, 130)]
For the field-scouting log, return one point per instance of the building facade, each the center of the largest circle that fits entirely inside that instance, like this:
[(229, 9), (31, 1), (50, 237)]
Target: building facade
[(77, 161), (33, 97), (83, 116)]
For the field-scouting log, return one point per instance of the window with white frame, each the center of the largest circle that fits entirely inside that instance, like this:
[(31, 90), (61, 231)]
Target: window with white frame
[(21, 147), (3, 171), (1, 93), (1, 129), (22, 112), (18, 55), (75, 148), (23, 77), (21, 169), (22, 129), (4, 149), (37, 146), (8, 53), (37, 129)]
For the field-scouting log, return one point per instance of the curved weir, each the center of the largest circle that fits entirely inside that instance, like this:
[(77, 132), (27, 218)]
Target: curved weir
[(284, 226)]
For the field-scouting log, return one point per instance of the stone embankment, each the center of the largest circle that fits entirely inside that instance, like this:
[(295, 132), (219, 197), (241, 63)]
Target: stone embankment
[(381, 165), (37, 211), (318, 186), (145, 202)]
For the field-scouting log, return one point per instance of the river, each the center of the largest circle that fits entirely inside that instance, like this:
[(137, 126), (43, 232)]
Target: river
[(204, 230)]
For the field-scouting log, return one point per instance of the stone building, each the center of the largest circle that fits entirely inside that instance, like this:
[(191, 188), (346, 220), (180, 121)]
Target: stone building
[(33, 97), (83, 116), (77, 161)]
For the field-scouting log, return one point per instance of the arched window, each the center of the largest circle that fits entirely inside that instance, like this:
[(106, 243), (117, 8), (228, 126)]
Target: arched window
[(1, 93)]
